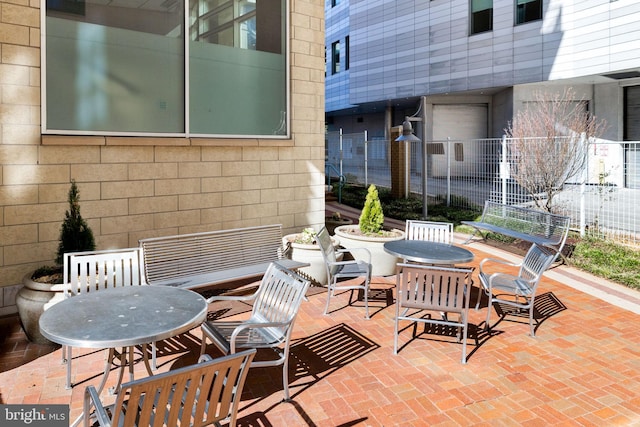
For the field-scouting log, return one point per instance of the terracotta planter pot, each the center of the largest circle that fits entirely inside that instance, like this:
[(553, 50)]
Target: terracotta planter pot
[(32, 300), (383, 264)]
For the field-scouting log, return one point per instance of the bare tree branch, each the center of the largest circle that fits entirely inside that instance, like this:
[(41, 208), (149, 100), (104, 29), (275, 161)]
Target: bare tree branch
[(549, 146)]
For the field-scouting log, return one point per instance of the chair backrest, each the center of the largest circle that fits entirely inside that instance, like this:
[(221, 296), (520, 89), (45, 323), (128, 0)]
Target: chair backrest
[(328, 251), (535, 262), (425, 287), (278, 299), (196, 395), (97, 270), (440, 232)]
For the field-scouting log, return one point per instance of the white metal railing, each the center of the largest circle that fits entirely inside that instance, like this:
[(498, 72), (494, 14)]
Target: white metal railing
[(601, 201)]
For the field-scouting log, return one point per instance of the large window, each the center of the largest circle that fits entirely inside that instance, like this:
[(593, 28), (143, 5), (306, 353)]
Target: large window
[(346, 53), (335, 57), (481, 16), (126, 69), (528, 10)]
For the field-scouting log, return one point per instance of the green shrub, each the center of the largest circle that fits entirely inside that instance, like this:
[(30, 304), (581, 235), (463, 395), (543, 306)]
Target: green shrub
[(372, 217), (75, 234)]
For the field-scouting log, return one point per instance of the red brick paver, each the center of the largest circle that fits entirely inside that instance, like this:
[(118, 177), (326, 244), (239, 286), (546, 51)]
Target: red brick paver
[(582, 368)]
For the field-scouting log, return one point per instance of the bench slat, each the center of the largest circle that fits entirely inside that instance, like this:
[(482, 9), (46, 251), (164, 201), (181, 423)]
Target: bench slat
[(209, 258), (542, 228)]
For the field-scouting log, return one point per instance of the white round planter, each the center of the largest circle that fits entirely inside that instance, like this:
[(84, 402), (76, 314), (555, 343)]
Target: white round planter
[(310, 253), (383, 264)]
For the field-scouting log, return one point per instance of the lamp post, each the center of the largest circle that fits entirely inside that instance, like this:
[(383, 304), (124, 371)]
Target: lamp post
[(407, 137)]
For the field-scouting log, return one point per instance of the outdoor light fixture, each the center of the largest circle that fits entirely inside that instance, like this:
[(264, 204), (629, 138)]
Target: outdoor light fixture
[(407, 132), (408, 137)]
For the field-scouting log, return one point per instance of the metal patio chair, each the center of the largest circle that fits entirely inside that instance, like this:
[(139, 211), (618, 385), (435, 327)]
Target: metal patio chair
[(275, 307), (429, 294), (197, 395), (348, 269), (515, 290), (440, 232), (94, 271)]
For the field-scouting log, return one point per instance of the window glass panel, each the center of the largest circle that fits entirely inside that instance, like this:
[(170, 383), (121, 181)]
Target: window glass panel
[(248, 33), (335, 57), (120, 69), (114, 68), (528, 10), (346, 53), (238, 78), (481, 16), (478, 5)]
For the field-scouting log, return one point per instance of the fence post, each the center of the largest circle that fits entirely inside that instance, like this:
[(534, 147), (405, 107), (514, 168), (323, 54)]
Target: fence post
[(366, 160), (448, 171), (341, 153), (583, 188), (504, 169)]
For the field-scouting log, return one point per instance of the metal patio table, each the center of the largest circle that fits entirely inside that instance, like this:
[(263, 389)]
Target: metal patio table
[(428, 252), (123, 317)]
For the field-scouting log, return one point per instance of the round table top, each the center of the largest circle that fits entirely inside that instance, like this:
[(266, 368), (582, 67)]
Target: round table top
[(122, 317), (428, 252)]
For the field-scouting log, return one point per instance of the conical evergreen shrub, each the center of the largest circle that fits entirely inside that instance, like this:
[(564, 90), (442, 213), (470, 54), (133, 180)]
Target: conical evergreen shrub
[(372, 217), (75, 234)]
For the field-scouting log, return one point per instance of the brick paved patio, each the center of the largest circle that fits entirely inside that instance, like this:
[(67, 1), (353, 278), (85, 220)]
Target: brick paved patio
[(583, 367)]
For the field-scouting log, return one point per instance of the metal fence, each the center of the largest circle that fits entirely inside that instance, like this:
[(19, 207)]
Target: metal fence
[(601, 200)]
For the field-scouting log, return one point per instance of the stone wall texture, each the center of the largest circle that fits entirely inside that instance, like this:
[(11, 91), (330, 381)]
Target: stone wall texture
[(132, 188)]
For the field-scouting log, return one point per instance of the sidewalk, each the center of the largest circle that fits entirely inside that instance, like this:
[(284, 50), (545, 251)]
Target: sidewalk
[(613, 293)]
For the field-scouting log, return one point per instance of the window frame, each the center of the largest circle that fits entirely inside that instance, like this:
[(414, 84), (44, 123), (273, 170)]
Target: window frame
[(518, 14), (346, 52), (335, 57), (186, 133), (472, 21)]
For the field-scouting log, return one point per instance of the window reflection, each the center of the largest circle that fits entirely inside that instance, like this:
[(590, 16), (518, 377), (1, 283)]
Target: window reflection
[(120, 67)]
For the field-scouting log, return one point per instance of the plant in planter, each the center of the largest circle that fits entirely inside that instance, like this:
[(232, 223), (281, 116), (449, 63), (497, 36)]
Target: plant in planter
[(371, 234), (75, 234), (303, 247), (371, 217), (335, 220), (43, 287), (307, 237)]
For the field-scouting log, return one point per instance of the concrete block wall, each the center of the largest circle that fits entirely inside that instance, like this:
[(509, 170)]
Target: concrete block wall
[(142, 187)]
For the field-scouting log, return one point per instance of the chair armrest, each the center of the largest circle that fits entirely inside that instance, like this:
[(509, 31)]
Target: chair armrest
[(230, 298), (346, 262), (91, 395), (351, 250), (497, 261)]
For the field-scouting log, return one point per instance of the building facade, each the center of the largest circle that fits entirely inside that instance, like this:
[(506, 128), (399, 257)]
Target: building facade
[(465, 67), (112, 97)]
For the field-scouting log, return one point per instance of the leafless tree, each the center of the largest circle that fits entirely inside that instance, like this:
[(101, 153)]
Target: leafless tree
[(549, 143)]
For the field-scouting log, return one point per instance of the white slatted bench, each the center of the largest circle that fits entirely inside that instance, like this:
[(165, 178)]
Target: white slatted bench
[(543, 228), (213, 258)]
